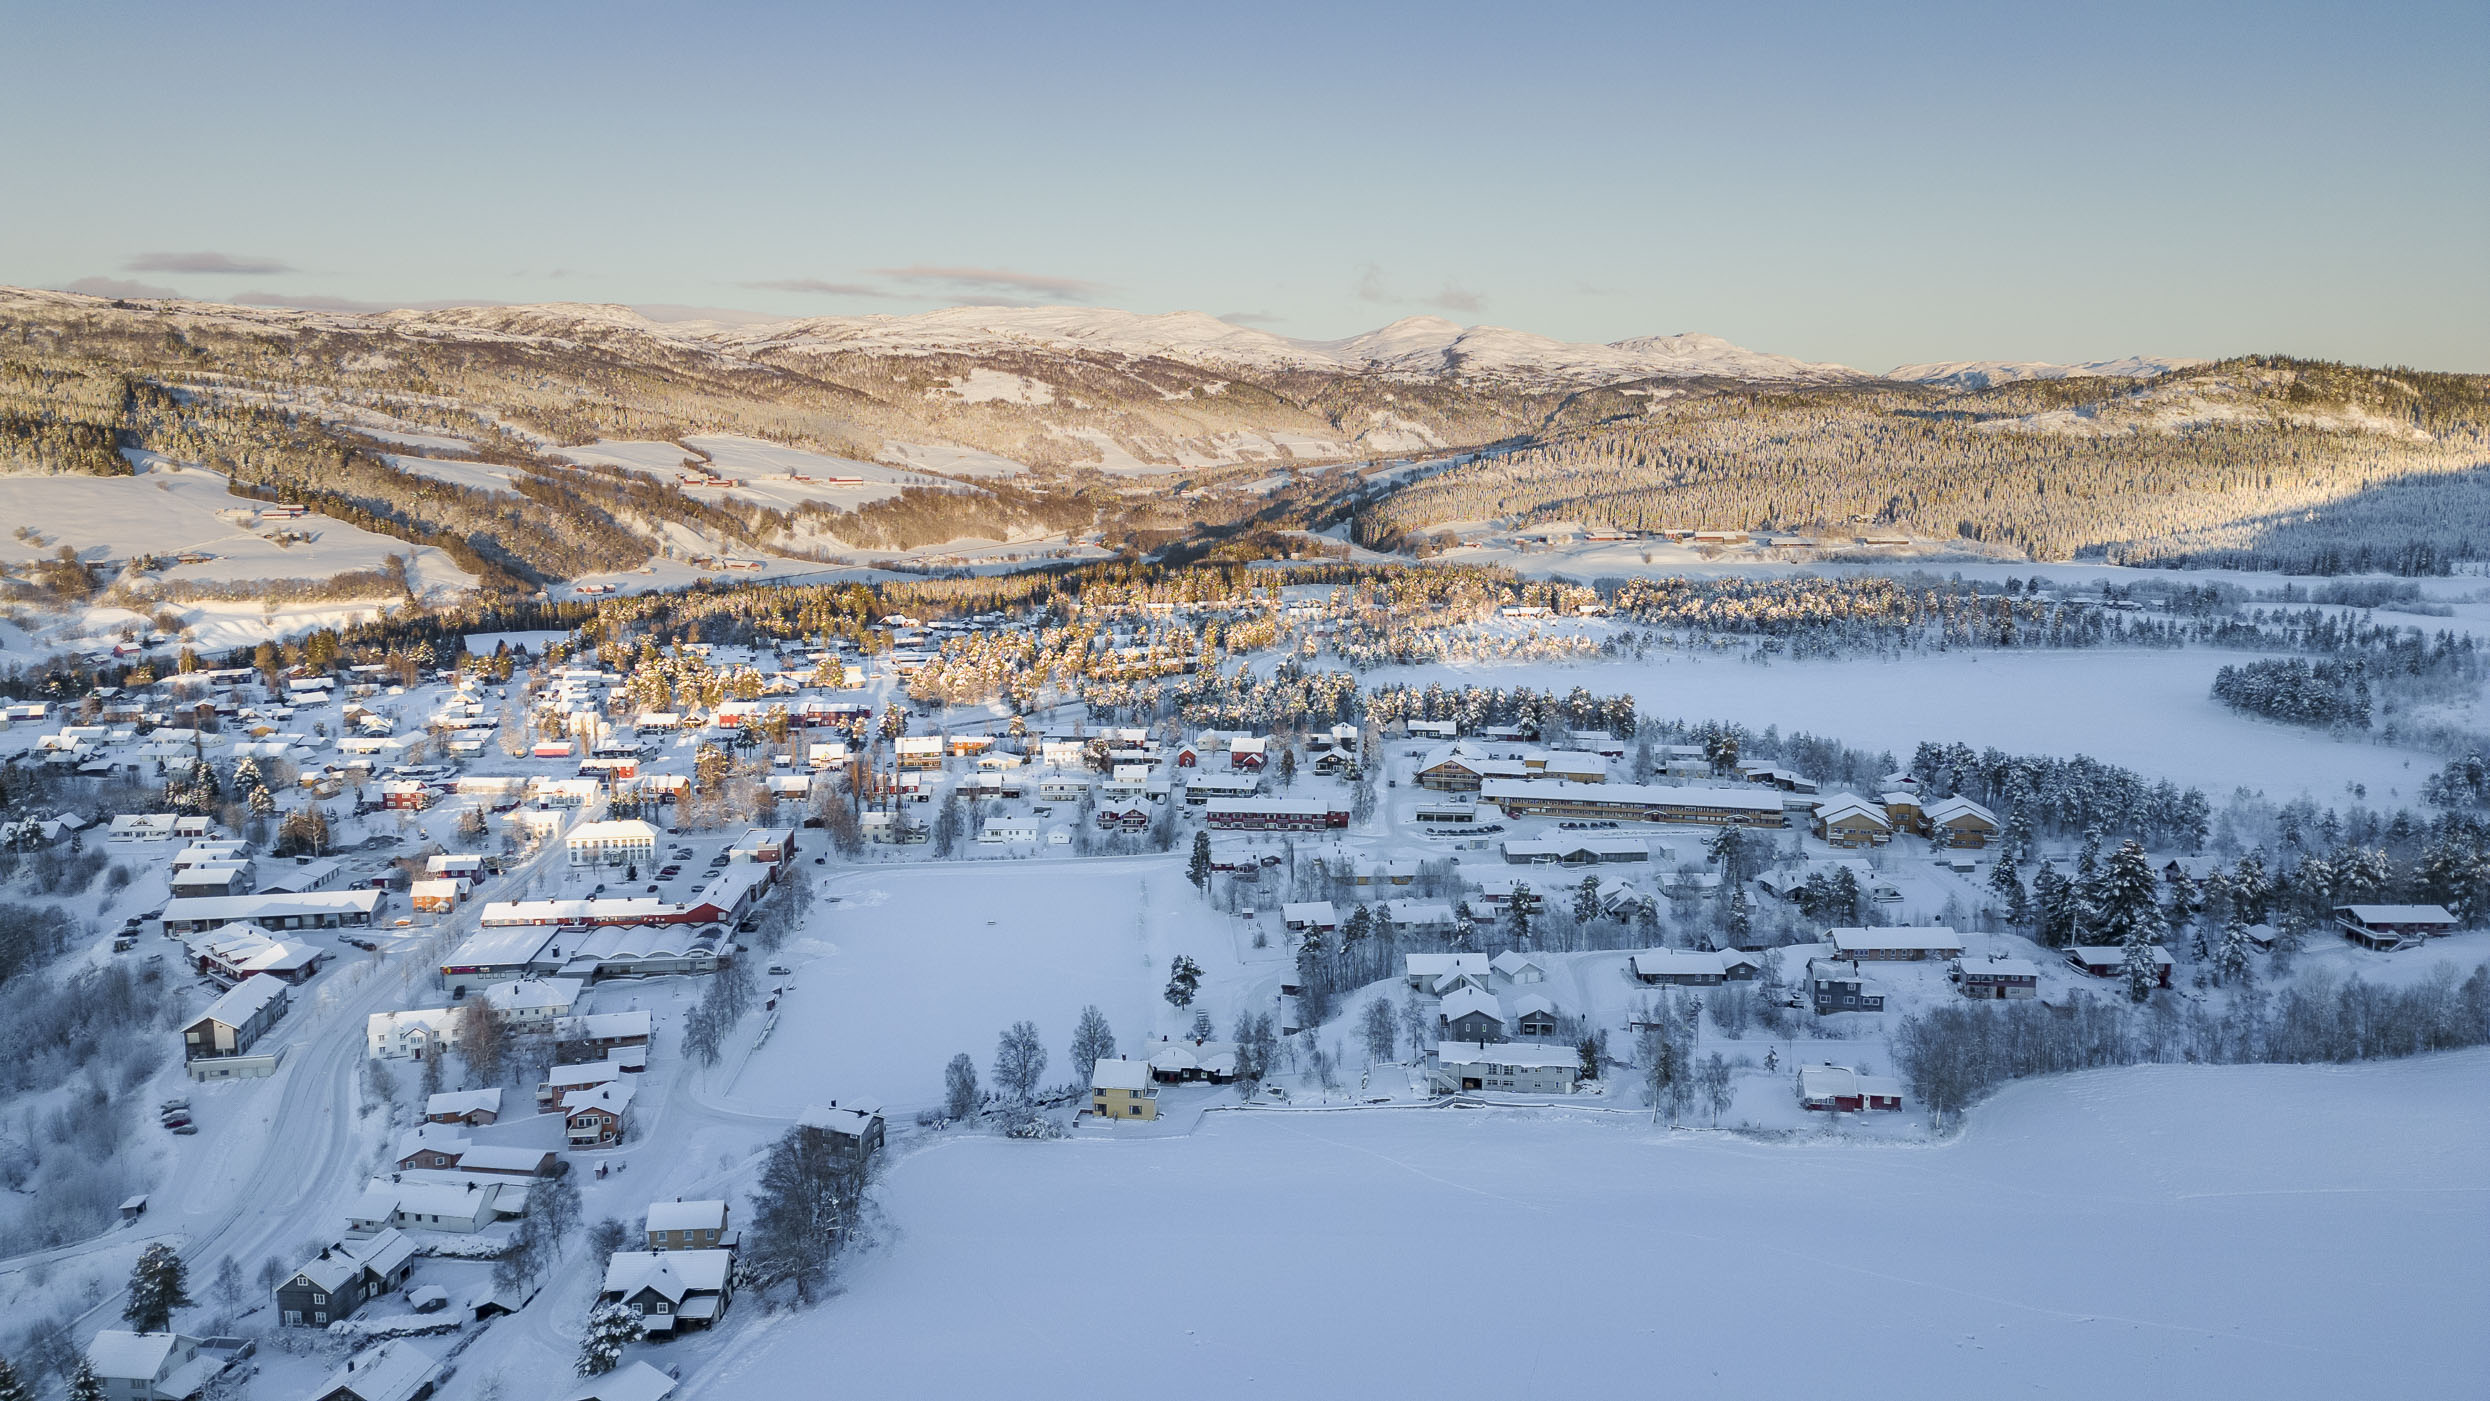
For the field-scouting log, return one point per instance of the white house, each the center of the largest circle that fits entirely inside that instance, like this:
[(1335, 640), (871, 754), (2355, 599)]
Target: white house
[(415, 1034), (628, 841), (1455, 1067)]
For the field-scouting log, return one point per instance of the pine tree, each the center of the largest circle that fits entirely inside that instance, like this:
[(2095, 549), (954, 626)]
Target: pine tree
[(611, 1328), (1738, 917), (1184, 979), (2230, 962), (2055, 905), (1520, 915), (84, 1385), (2140, 969), (11, 1389), (158, 1285), (1197, 870), (2127, 906), (1465, 928), (1586, 900)]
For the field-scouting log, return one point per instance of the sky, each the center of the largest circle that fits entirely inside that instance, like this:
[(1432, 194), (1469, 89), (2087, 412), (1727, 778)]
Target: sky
[(1872, 185)]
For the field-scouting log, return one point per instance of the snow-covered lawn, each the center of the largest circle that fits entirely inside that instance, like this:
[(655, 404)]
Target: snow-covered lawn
[(917, 963), (2149, 710), (2161, 1231)]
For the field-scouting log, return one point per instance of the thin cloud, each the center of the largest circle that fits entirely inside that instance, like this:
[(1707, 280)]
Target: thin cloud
[(1455, 298), (243, 265), (815, 287), (1249, 318), (121, 287), (991, 281), (726, 315), (1369, 286)]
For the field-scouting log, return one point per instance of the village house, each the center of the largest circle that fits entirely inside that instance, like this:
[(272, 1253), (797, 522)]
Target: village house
[(1908, 944), (2110, 960), (415, 1034), (633, 1381), (473, 1108), (233, 952), (1690, 967), (457, 1205), (1848, 821), (1838, 1088), (343, 1277), (1836, 986), (231, 1025), (595, 1118), (1303, 916), (1634, 802), (151, 1366), (626, 842), (682, 1225), (671, 1290), (1424, 971), (1121, 1089), (397, 1370), (2385, 928), (1470, 1014), (1455, 1067), (1534, 1015), (1190, 1062), (319, 909), (1999, 979), (1515, 967), (1960, 823)]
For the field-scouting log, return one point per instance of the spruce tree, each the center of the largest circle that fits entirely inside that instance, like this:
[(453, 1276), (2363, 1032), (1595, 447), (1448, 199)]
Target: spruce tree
[(11, 1389), (158, 1285), (84, 1385), (2128, 907), (1586, 900), (1197, 870), (611, 1328)]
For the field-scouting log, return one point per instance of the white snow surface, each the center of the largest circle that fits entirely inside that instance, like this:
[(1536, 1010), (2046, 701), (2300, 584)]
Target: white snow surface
[(1981, 374), (2160, 1231), (2151, 711)]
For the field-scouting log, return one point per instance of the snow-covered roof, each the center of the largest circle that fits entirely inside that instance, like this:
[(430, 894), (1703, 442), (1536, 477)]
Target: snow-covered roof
[(1932, 938), (1308, 912), (395, 1371), (463, 1102), (2003, 968), (613, 1097), (633, 1381), (1526, 1054), (535, 994), (1849, 805), (1116, 1073), (246, 1000), (499, 1157), (2097, 956), (851, 1119), (1513, 964), (1945, 810), (678, 1215), (1466, 1001), (1435, 965), (1663, 963), (2399, 914), (118, 1353), (673, 1273)]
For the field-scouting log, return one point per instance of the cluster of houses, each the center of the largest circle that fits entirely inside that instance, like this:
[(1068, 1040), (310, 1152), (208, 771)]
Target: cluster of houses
[(1849, 821)]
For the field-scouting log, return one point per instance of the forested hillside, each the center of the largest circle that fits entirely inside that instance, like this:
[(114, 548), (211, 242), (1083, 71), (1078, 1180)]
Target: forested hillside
[(2265, 462)]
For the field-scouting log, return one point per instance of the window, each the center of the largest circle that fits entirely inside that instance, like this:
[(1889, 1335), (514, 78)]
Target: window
[(319, 1298)]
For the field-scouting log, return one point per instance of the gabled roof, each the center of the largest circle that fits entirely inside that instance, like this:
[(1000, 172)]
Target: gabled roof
[(1512, 964), (1465, 1001), (673, 1273), (707, 1215), (1946, 810), (614, 1096), (117, 1352), (394, 1371), (633, 1381), (1120, 1074)]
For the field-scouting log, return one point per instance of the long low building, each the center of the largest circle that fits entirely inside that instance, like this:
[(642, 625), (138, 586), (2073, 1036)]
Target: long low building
[(310, 909), (1637, 802), (1274, 814), (1508, 1067), (1574, 851)]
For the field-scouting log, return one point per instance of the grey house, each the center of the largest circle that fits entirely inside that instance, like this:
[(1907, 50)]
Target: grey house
[(1468, 1014), (1836, 986), (344, 1277)]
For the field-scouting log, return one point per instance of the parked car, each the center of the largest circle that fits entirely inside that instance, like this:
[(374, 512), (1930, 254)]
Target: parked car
[(780, 970)]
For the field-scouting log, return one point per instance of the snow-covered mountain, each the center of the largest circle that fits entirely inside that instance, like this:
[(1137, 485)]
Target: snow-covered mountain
[(1418, 347), (1981, 374)]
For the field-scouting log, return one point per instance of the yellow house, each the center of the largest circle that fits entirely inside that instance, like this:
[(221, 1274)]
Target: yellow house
[(1902, 810), (1121, 1089), (1960, 822), (1847, 821)]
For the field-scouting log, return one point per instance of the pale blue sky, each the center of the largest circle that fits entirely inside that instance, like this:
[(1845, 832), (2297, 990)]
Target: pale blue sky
[(1860, 183)]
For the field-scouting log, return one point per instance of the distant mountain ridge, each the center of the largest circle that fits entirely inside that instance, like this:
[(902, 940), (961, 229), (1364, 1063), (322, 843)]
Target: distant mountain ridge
[(1982, 374)]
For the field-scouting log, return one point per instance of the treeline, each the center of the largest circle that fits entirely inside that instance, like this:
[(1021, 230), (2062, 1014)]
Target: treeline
[(1954, 1055), (2323, 693), (2226, 461)]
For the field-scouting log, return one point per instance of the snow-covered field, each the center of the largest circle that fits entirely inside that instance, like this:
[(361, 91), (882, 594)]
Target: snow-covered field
[(916, 963), (168, 508), (2161, 1231), (2149, 710)]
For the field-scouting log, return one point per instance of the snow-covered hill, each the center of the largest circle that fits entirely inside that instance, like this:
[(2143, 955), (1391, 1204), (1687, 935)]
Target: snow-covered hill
[(1981, 374)]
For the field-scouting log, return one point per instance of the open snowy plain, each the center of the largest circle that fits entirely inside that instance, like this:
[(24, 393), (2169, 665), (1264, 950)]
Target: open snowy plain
[(2160, 1231)]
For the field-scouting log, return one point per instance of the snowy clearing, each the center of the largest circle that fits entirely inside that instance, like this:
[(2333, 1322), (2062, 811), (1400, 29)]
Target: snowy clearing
[(916, 963), (2151, 711), (2161, 1231)]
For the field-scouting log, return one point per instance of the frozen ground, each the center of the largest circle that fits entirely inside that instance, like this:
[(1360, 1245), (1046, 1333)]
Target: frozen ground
[(2160, 1231), (2149, 710), (917, 963)]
